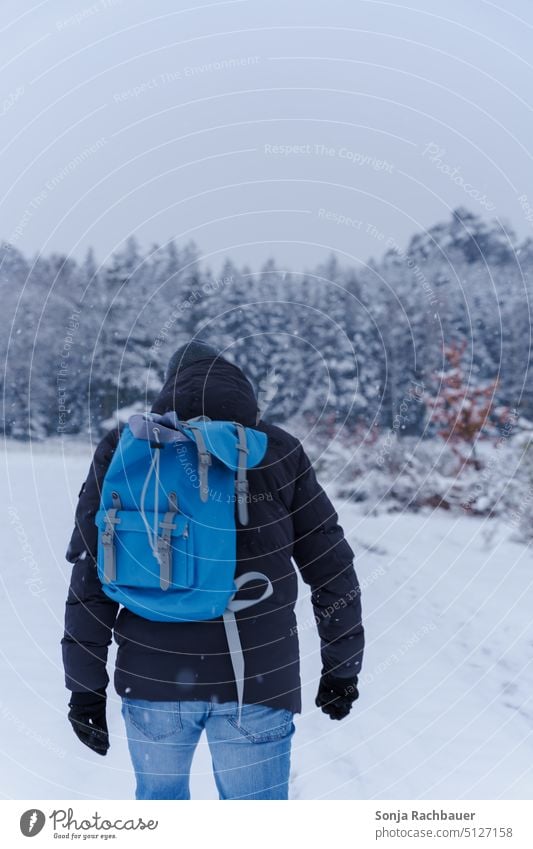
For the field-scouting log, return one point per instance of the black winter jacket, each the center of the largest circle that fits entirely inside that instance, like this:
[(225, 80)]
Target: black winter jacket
[(290, 518)]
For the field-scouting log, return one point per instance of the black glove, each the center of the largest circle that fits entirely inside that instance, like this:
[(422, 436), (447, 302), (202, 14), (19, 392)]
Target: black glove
[(87, 717), (336, 695)]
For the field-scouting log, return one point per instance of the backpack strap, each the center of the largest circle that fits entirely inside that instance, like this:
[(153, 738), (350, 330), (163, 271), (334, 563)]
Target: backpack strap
[(241, 482), (108, 539), (232, 630), (164, 540), (154, 467), (204, 460)]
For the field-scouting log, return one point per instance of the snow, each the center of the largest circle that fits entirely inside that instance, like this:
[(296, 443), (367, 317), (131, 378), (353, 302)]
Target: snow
[(445, 708)]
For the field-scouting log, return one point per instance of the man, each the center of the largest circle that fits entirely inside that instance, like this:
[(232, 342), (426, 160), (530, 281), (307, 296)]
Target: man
[(176, 678)]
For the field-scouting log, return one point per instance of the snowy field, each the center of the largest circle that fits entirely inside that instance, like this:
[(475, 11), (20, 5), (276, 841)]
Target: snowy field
[(446, 706)]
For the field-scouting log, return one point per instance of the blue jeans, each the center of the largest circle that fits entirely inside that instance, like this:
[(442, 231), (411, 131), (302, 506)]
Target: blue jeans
[(250, 760)]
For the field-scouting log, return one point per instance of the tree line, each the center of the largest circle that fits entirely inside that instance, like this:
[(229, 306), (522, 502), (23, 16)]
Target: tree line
[(333, 344)]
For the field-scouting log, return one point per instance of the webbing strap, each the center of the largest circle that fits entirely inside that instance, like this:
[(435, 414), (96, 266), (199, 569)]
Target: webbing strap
[(241, 482), (204, 461), (108, 539), (232, 630), (236, 655), (154, 467), (164, 551)]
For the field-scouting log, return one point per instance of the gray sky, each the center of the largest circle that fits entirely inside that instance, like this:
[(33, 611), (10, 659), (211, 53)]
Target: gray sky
[(180, 119)]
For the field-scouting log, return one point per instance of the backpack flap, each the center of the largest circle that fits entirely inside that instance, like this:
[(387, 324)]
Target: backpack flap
[(222, 439)]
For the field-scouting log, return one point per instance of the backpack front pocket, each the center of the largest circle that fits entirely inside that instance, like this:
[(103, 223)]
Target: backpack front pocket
[(149, 550)]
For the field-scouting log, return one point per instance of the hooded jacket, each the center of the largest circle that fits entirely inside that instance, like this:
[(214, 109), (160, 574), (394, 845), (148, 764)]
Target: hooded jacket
[(291, 522)]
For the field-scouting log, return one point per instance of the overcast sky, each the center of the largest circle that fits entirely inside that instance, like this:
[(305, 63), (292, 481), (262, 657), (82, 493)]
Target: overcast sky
[(261, 128)]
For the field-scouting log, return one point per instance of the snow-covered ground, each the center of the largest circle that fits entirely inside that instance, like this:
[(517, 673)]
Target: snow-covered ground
[(446, 693)]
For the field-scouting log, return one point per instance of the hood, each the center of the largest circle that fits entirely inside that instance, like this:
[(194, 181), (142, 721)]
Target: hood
[(211, 387)]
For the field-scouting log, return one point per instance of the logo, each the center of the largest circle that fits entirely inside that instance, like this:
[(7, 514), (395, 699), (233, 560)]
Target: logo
[(32, 822)]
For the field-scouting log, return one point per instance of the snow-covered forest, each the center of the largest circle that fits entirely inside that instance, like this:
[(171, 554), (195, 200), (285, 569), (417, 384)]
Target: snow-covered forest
[(82, 339), (406, 376)]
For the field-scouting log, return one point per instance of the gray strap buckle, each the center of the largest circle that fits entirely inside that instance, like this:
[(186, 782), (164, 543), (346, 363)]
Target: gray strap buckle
[(164, 550), (108, 539)]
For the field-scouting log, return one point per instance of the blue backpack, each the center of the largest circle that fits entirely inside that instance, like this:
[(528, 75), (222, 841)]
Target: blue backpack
[(167, 540)]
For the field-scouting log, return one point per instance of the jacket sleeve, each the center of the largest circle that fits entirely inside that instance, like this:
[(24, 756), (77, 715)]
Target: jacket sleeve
[(325, 561), (89, 614)]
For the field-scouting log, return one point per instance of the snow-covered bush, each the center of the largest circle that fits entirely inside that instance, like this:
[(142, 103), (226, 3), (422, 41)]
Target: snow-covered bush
[(389, 472)]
